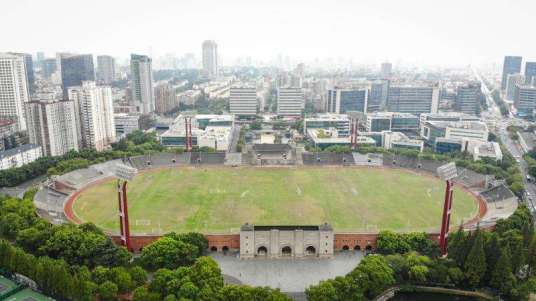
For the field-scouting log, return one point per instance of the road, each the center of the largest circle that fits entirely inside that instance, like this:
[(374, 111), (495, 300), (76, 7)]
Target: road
[(493, 114)]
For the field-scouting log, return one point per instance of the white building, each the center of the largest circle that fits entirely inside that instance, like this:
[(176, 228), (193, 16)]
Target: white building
[(210, 59), (126, 123), (215, 137), (392, 140), (52, 125), (142, 83), (290, 101), (14, 90), (491, 150), (473, 130), (243, 101), (95, 117), (325, 121), (19, 156)]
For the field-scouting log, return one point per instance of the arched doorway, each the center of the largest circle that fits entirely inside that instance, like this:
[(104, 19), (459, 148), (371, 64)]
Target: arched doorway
[(286, 251), (262, 251), (213, 249), (357, 248), (310, 251), (368, 249), (225, 249), (345, 248)]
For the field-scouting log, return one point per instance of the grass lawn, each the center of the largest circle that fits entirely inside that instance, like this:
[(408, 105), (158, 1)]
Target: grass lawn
[(220, 199)]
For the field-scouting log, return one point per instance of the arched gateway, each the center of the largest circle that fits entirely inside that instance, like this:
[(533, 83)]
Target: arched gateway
[(286, 241)]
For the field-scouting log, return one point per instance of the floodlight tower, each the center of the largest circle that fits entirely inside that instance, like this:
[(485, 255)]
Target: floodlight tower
[(188, 125), (353, 133), (446, 172), (124, 174)]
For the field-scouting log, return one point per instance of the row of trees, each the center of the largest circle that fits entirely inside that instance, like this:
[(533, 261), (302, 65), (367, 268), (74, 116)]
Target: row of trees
[(136, 143), (504, 260)]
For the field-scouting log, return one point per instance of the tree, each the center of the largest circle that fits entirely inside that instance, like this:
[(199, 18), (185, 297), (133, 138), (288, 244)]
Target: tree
[(373, 274), (475, 265), (108, 291), (502, 277), (493, 252), (142, 294), (418, 273), (531, 256), (389, 242), (121, 277), (138, 275), (324, 291), (167, 252), (193, 238)]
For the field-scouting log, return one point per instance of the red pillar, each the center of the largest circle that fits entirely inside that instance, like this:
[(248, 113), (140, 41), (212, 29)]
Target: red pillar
[(124, 225), (445, 223)]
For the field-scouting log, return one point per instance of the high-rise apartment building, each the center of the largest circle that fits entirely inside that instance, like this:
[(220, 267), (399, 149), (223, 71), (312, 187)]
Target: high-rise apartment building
[(386, 70), (105, 69), (165, 98), (95, 118), (210, 59), (525, 100), (290, 101), (512, 64), (14, 90), (340, 101), (28, 62), (512, 80), (52, 125), (530, 72), (142, 83), (413, 99), (243, 101), (468, 98), (75, 69)]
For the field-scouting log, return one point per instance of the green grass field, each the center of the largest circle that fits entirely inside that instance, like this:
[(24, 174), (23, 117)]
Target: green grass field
[(220, 199)]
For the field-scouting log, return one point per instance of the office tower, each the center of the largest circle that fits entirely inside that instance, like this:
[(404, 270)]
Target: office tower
[(105, 69), (75, 69), (210, 59), (377, 95), (525, 100), (14, 90), (512, 80), (413, 99), (468, 98), (49, 67), (52, 125), (95, 115), (512, 64), (392, 121), (165, 99), (142, 83), (342, 101), (386, 70), (40, 57), (243, 101), (290, 101), (530, 72)]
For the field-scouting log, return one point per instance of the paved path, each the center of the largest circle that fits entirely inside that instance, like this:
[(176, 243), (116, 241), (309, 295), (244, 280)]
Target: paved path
[(289, 275)]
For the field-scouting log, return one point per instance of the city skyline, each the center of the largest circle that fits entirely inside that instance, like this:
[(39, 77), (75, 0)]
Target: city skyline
[(449, 33)]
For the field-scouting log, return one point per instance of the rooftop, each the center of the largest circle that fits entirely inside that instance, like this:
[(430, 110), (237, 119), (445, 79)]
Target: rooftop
[(16, 150)]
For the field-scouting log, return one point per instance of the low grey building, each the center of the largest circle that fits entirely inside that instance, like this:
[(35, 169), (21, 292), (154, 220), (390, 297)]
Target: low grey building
[(286, 241)]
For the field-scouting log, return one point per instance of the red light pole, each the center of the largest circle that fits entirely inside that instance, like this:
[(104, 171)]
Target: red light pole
[(124, 174), (446, 172)]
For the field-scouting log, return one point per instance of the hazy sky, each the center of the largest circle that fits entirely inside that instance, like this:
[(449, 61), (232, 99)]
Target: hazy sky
[(368, 31)]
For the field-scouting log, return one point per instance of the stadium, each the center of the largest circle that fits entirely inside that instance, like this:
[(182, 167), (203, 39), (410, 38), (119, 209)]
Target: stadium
[(216, 193)]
